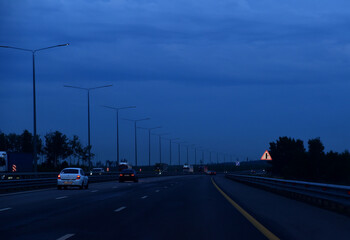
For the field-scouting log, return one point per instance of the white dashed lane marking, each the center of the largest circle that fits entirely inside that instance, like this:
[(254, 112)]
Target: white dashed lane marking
[(94, 191), (157, 190), (119, 209), (61, 197), (66, 236), (144, 197), (4, 209)]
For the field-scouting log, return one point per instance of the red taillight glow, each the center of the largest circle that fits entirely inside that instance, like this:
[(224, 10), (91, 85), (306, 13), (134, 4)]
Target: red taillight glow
[(59, 176), (78, 177), (132, 174), (120, 175)]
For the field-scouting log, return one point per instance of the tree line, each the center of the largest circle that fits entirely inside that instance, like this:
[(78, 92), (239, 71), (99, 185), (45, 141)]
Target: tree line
[(291, 160), (55, 146)]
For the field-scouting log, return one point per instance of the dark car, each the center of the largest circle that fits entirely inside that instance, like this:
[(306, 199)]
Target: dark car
[(128, 175), (211, 172)]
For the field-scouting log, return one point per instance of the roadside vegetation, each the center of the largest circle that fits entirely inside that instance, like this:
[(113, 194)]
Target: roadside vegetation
[(55, 149), (292, 161)]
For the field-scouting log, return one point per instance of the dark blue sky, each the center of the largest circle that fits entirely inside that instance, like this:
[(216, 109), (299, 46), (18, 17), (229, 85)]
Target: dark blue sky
[(230, 76)]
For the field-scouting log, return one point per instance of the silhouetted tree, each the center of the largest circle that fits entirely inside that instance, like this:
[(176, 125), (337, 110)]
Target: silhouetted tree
[(26, 142), (84, 155), (75, 147), (287, 156), (64, 164), (19, 143), (3, 142), (13, 141), (56, 147), (315, 164)]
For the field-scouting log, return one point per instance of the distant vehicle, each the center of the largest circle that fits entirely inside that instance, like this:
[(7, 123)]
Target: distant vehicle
[(128, 175), (211, 172), (16, 162), (203, 169), (123, 164), (187, 168), (97, 171), (72, 177), (160, 168)]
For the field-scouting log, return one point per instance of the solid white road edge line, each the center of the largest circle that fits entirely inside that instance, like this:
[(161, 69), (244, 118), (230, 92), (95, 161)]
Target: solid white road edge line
[(16, 193), (119, 209), (61, 197), (4, 209), (66, 236)]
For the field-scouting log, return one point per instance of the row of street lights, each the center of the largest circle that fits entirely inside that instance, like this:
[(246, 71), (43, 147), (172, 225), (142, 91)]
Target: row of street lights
[(33, 51)]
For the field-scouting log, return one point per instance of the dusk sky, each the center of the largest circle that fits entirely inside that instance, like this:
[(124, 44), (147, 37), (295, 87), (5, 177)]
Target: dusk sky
[(226, 75)]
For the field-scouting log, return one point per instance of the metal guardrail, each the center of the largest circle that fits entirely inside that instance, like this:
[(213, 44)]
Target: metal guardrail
[(15, 181), (331, 196)]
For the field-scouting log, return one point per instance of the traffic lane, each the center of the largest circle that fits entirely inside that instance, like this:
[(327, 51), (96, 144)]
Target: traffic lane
[(287, 218), (190, 209), (71, 215), (31, 197), (43, 219)]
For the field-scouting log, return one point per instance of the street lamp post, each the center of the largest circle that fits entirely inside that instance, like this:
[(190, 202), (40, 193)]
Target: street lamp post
[(194, 146), (203, 155), (149, 142), (170, 142), (160, 145), (88, 98), (187, 154), (195, 156), (135, 129), (33, 51), (179, 151), (117, 112)]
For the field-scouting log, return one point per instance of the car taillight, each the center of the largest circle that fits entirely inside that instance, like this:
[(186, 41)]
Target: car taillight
[(120, 175), (78, 177), (132, 174), (59, 176)]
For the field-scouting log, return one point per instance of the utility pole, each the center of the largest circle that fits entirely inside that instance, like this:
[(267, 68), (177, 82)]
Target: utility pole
[(117, 112), (170, 152), (149, 142), (33, 51), (88, 98), (135, 132), (160, 145)]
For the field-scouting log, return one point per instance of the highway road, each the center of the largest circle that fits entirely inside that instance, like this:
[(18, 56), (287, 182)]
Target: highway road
[(183, 207)]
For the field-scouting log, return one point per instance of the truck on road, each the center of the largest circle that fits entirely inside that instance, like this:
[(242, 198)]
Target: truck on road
[(123, 164), (16, 162), (187, 168)]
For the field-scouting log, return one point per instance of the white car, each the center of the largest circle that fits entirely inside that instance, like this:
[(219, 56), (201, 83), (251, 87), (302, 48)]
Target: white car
[(74, 177)]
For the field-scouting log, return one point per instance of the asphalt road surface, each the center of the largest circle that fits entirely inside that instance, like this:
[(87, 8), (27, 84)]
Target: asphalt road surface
[(184, 207)]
